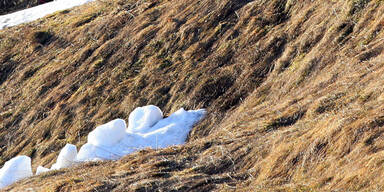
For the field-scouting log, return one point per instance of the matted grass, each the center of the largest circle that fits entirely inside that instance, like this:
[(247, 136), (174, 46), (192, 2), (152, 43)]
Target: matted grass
[(293, 91)]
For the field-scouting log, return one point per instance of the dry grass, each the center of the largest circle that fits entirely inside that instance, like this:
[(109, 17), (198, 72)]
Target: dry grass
[(293, 90)]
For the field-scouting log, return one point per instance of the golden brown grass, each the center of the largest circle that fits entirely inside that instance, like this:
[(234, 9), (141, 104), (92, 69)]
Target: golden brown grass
[(293, 91)]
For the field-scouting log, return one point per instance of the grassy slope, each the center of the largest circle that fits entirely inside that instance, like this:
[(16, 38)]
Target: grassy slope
[(293, 89)]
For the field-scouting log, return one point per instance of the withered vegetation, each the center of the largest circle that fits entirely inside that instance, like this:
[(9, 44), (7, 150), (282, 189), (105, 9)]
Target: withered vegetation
[(294, 93)]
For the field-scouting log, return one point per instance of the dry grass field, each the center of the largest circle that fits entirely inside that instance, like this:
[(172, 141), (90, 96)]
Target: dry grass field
[(294, 91)]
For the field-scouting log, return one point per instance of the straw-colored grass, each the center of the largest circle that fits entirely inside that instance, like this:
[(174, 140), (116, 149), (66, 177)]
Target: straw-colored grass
[(293, 89)]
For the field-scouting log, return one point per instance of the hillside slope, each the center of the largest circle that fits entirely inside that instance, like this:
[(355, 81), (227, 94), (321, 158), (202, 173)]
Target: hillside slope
[(293, 90)]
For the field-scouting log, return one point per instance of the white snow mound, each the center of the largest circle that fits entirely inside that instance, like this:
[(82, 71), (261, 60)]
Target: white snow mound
[(113, 140), (108, 134), (37, 12), (147, 128), (66, 157), (15, 169), (142, 118), (41, 169)]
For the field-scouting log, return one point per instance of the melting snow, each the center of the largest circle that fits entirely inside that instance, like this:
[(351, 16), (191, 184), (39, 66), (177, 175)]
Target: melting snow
[(37, 12), (147, 128), (15, 169), (66, 157), (41, 169), (113, 140)]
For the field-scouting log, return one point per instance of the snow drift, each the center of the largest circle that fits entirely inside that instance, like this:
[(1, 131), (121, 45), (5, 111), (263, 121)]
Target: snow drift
[(37, 12), (113, 140), (66, 157), (147, 128), (15, 169)]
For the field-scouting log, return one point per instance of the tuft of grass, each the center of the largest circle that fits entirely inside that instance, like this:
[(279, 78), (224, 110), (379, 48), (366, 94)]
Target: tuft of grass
[(41, 37)]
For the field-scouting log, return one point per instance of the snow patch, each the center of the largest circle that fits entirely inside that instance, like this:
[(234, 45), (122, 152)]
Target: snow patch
[(108, 134), (144, 117), (147, 128), (34, 13), (66, 157), (41, 169), (15, 169), (111, 141)]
